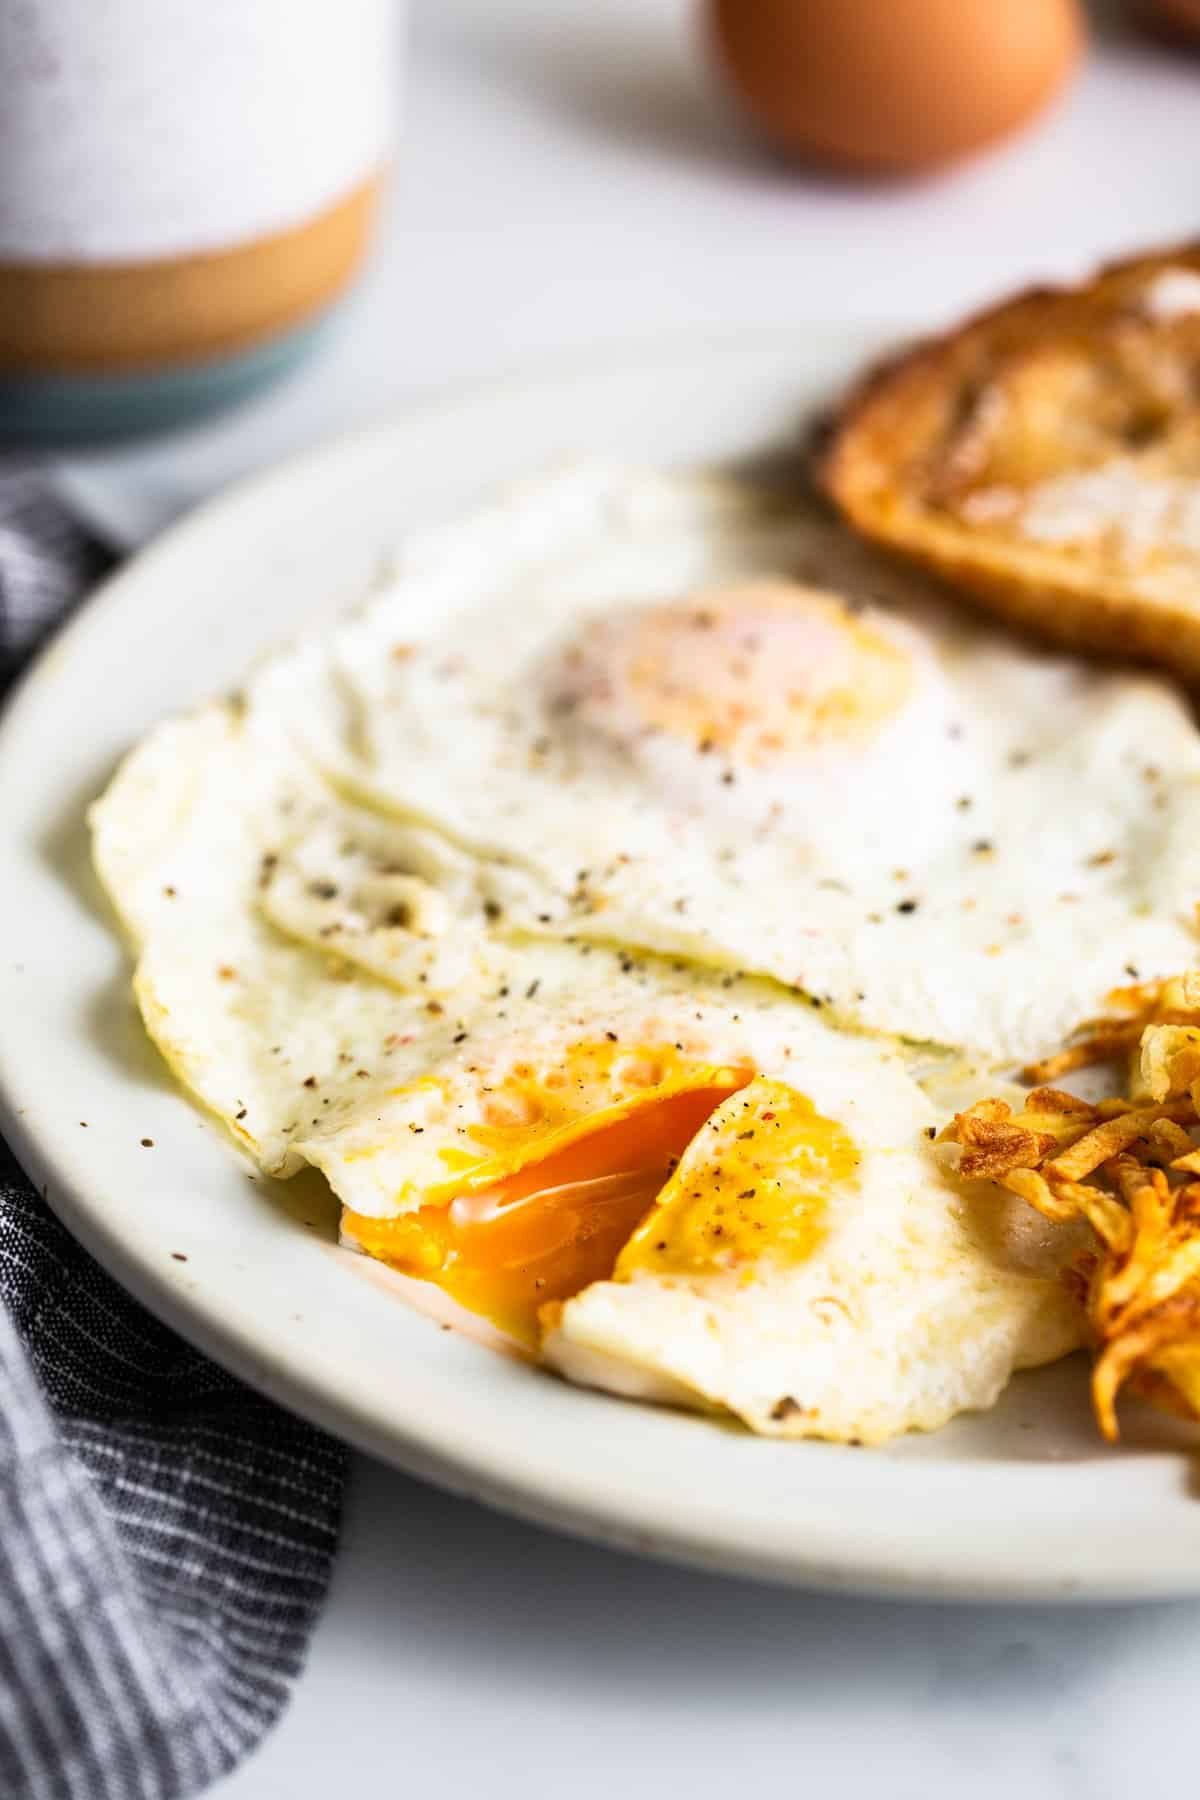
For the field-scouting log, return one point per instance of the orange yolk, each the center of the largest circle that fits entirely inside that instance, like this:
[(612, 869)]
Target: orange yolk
[(764, 672), (553, 1226)]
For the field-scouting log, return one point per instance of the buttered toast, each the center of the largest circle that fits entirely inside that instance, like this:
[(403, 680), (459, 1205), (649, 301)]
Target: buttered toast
[(1044, 458)]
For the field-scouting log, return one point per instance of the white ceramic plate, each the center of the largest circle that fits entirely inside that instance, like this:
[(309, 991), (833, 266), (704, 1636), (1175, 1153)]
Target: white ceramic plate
[(1023, 1501)]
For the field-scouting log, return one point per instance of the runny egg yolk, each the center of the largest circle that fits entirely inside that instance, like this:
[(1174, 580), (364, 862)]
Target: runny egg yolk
[(707, 1179), (761, 673), (753, 1187), (554, 1225)]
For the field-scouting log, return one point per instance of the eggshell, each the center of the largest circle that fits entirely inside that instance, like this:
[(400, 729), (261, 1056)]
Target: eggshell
[(898, 86)]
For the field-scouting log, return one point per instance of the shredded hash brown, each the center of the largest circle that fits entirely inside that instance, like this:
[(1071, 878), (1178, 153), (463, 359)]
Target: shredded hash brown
[(1130, 1168)]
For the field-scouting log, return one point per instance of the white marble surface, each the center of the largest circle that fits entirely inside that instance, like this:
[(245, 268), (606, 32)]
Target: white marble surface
[(464, 1654), (568, 180)]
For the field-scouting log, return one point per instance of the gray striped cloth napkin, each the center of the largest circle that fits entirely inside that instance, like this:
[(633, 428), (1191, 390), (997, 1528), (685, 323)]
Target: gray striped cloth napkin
[(166, 1536)]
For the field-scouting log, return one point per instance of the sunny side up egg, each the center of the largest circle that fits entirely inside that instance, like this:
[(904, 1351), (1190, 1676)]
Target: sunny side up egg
[(672, 1181), (689, 716)]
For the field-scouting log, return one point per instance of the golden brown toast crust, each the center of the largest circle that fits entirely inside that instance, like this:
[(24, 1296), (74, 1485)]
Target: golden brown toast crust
[(1044, 458)]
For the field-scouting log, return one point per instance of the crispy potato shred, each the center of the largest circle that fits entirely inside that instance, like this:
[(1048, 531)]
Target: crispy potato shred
[(1130, 1168)]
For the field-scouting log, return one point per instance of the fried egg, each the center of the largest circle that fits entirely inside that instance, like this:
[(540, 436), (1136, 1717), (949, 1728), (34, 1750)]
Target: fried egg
[(663, 1179), (689, 716)]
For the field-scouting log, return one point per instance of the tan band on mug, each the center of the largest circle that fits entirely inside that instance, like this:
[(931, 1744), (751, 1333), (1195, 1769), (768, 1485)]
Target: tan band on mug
[(76, 317)]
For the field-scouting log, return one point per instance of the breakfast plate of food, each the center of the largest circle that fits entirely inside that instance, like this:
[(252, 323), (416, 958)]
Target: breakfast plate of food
[(626, 943)]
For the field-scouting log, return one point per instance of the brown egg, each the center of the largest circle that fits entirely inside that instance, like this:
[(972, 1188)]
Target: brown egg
[(894, 84)]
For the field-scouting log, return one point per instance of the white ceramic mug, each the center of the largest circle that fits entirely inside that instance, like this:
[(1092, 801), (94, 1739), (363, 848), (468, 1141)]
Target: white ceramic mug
[(185, 186)]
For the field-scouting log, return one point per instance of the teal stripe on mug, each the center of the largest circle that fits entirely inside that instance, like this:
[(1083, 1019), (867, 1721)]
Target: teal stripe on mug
[(61, 408)]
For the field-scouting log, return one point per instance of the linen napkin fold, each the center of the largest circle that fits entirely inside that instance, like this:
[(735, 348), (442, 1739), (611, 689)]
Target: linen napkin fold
[(166, 1535)]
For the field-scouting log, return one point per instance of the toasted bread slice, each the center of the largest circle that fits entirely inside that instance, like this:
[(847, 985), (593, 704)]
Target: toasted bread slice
[(1044, 458)]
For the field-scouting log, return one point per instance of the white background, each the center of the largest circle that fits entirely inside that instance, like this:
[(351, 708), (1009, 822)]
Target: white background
[(568, 179)]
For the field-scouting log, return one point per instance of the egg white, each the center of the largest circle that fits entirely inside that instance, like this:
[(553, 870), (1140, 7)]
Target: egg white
[(977, 872), (323, 1031)]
